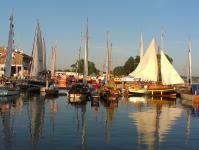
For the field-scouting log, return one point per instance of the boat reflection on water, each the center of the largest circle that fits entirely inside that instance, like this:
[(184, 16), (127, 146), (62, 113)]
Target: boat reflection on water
[(80, 121), (150, 100), (6, 103), (154, 124), (137, 99), (36, 112), (110, 107), (193, 106), (8, 106), (7, 99)]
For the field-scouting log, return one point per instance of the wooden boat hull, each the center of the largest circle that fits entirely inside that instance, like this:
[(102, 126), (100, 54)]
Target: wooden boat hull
[(78, 93), (137, 91), (169, 92)]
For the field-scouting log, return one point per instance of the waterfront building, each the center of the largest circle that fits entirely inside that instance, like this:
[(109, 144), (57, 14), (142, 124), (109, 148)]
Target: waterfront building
[(20, 63)]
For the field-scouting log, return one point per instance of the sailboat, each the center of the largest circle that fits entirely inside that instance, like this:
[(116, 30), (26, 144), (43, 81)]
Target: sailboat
[(9, 88), (190, 92), (79, 92), (109, 91), (156, 73), (38, 63), (51, 88)]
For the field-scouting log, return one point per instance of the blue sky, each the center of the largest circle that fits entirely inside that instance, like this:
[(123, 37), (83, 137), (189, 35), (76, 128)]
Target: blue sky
[(62, 21)]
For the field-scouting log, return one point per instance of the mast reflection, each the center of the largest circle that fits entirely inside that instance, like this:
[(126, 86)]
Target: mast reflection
[(80, 118), (53, 112)]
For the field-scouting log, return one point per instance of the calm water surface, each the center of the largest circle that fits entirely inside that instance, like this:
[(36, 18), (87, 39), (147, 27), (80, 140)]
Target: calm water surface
[(36, 122)]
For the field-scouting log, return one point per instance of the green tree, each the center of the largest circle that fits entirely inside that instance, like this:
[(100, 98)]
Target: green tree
[(118, 71), (91, 67), (73, 66), (136, 62), (129, 65)]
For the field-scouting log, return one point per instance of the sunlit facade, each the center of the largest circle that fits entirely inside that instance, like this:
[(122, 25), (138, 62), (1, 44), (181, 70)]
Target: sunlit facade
[(20, 63)]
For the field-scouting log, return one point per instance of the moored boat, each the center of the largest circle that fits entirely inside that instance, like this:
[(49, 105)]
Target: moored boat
[(162, 77), (49, 89), (8, 90), (78, 93)]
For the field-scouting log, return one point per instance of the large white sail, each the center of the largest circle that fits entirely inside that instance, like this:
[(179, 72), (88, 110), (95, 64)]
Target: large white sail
[(8, 62), (37, 54), (147, 69), (53, 65), (168, 72), (86, 57)]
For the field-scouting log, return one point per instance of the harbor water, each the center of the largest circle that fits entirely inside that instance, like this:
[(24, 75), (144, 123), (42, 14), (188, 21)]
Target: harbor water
[(38, 122)]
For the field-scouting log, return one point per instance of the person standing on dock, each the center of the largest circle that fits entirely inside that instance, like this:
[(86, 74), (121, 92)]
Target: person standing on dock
[(97, 85)]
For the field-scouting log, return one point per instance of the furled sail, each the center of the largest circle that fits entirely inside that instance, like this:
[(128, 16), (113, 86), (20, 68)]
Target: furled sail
[(85, 74), (44, 54), (53, 65), (168, 72), (9, 50), (147, 69), (37, 54)]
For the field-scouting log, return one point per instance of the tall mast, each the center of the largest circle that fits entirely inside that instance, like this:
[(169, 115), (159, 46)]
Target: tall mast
[(53, 65), (161, 48), (86, 56), (190, 63), (110, 55), (8, 62), (79, 55), (141, 46), (107, 59), (162, 41)]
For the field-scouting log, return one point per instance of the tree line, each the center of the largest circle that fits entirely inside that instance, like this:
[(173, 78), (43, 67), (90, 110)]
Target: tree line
[(128, 67)]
